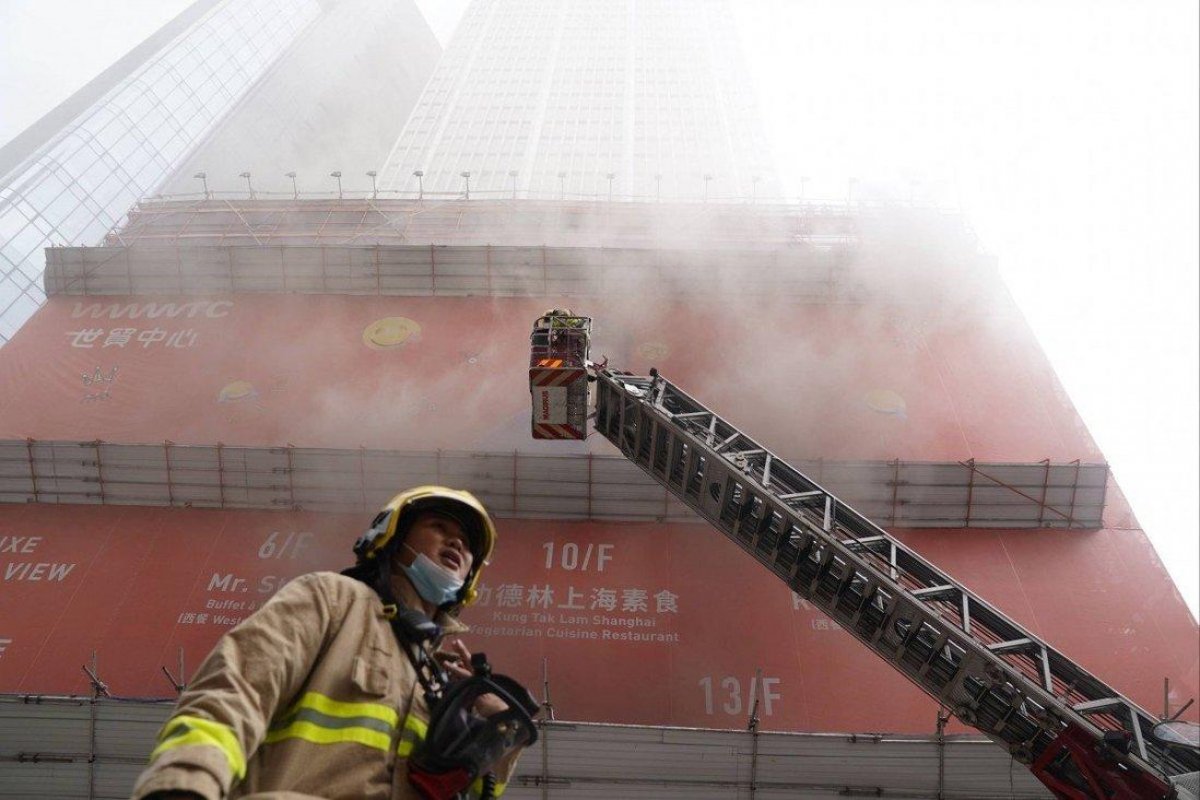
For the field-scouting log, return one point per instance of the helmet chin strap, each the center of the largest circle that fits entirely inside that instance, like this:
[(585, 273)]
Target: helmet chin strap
[(415, 632)]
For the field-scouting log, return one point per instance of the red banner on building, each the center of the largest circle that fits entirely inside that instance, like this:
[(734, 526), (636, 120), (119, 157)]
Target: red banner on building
[(838, 382), (636, 623)]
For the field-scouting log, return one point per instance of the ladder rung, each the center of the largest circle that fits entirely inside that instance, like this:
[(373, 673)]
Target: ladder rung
[(866, 541), (721, 446), (941, 592), (787, 498), (1013, 646), (1100, 706)]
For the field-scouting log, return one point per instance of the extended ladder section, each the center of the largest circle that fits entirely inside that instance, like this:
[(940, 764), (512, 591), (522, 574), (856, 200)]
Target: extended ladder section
[(1079, 736)]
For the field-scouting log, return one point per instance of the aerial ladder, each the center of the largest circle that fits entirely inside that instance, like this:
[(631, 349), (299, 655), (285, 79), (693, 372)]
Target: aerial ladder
[(1081, 738)]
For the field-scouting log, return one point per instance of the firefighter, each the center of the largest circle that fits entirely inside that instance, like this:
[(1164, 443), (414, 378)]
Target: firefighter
[(346, 685), (561, 333), (559, 318)]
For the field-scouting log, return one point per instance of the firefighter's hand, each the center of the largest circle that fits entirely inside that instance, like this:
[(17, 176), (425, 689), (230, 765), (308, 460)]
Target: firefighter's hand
[(456, 659)]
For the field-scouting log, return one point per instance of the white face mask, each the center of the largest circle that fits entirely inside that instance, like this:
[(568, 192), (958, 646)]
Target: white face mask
[(435, 583)]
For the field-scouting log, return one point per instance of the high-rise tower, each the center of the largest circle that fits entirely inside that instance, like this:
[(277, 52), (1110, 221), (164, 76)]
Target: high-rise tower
[(229, 87), (636, 99)]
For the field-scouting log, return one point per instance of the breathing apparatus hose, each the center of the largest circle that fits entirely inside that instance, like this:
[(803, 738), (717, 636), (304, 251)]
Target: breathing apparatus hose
[(460, 745)]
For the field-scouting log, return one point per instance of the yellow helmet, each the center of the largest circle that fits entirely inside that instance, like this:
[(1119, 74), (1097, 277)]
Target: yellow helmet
[(458, 503)]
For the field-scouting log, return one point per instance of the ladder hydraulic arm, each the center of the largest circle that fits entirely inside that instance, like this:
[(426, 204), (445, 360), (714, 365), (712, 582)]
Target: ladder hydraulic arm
[(1079, 737)]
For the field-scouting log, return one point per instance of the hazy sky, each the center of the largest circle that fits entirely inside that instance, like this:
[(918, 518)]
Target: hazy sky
[(1068, 131)]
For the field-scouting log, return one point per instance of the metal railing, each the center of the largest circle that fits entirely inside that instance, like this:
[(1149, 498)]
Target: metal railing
[(515, 484)]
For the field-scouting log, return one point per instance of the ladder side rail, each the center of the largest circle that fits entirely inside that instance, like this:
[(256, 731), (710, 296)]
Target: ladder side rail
[(887, 621), (1047, 666), (832, 555)]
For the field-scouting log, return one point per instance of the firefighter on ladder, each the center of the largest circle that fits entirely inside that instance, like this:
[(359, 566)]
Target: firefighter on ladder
[(559, 318), (556, 323), (346, 685)]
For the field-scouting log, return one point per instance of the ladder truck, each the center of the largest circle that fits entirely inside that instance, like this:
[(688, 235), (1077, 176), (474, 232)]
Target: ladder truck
[(1081, 738)]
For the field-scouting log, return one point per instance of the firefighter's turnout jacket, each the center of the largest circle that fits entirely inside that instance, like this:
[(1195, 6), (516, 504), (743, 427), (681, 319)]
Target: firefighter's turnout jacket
[(310, 697)]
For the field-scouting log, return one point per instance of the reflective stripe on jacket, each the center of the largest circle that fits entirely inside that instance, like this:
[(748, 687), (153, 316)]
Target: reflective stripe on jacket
[(310, 696)]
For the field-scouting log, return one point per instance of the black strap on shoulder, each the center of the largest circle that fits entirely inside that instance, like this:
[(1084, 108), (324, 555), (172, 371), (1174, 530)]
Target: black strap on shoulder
[(416, 633), (489, 787)]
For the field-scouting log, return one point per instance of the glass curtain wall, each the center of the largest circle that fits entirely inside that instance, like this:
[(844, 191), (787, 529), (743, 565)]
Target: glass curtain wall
[(588, 99), (81, 183)]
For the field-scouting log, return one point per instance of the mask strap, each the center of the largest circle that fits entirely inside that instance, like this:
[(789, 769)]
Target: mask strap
[(432, 677)]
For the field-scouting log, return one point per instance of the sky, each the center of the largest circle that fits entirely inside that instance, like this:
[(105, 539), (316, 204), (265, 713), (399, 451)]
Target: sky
[(1068, 132)]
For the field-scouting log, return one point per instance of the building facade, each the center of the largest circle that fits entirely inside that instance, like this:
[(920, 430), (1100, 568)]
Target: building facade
[(594, 99), (213, 93)]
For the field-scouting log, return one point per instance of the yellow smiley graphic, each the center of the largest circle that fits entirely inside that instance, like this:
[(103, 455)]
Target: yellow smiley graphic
[(885, 401), (653, 351), (235, 391), (391, 332)]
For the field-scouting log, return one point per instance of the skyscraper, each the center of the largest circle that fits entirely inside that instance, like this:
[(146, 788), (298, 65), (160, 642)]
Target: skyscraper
[(175, 116), (588, 98)]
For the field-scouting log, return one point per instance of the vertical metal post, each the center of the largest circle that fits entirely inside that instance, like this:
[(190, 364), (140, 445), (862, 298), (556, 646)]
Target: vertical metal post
[(99, 689), (362, 474), (895, 488), (1045, 491), (291, 473), (514, 482), (167, 456), (1074, 491), (970, 464), (220, 475), (432, 270), (546, 701), (487, 264), (753, 728), (325, 269), (92, 742), (942, 718), (589, 485), (99, 470), (33, 469), (549, 717)]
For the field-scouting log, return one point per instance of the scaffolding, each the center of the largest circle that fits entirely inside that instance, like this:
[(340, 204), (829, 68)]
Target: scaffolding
[(501, 248), (806, 274), (367, 221), (526, 485), (92, 748)]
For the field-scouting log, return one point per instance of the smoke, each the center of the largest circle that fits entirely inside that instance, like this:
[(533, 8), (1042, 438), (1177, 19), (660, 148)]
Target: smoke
[(333, 104)]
